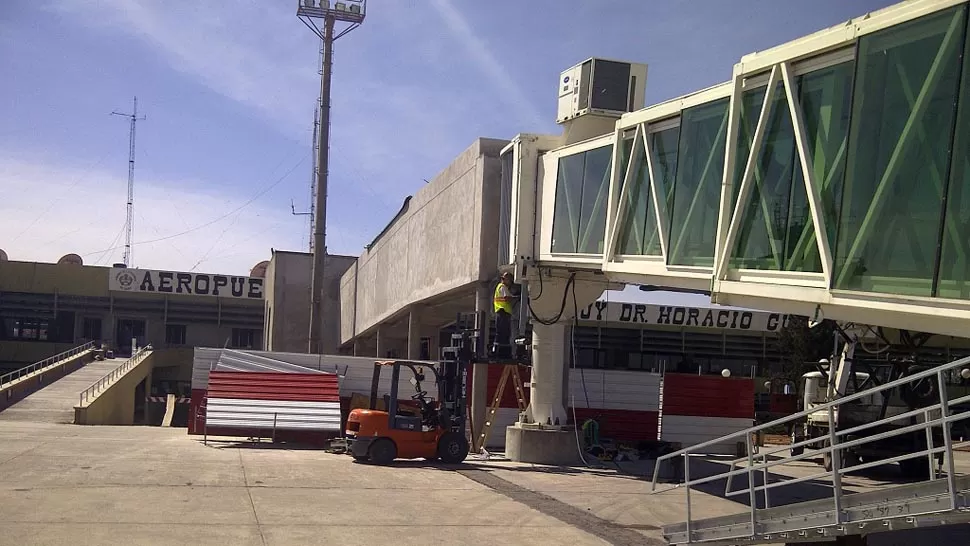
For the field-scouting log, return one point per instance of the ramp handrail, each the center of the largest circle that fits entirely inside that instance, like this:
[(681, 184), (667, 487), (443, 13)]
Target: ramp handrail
[(110, 377), (27, 370), (934, 415)]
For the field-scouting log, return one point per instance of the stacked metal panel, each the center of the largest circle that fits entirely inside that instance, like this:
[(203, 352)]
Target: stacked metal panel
[(272, 400), (353, 374)]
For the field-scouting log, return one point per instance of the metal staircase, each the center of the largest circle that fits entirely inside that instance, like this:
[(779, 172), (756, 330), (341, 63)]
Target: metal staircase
[(943, 499)]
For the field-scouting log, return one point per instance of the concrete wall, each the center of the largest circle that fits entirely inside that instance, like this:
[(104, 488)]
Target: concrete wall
[(50, 278), (287, 315), (446, 239), (116, 404), (174, 364)]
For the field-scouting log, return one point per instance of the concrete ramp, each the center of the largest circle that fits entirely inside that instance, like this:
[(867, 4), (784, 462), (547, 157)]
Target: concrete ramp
[(55, 402), (109, 398)]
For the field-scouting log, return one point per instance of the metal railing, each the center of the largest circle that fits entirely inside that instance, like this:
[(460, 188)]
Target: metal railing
[(27, 370), (114, 374), (935, 415)]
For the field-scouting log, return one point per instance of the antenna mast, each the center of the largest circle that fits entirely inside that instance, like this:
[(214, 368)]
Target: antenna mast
[(313, 177), (129, 221)]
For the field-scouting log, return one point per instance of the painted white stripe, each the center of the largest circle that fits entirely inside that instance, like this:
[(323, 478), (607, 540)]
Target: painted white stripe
[(691, 430), (284, 415), (614, 389)]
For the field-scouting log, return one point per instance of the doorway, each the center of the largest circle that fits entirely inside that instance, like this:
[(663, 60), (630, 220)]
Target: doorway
[(127, 329)]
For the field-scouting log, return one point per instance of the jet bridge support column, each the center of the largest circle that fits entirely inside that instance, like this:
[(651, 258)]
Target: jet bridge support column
[(542, 436)]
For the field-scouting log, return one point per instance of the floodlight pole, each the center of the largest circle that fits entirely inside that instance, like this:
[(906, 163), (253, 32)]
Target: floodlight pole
[(307, 11), (320, 218)]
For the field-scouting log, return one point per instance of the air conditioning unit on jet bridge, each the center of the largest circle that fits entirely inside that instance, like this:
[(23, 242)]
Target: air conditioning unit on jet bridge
[(601, 87)]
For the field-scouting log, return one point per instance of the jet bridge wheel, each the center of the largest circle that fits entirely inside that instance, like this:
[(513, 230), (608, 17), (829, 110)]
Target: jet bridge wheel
[(846, 459)]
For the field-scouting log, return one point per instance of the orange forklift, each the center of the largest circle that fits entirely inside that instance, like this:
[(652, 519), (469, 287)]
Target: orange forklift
[(434, 431)]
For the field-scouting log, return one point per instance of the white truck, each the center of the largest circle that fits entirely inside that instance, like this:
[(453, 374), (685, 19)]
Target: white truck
[(838, 380)]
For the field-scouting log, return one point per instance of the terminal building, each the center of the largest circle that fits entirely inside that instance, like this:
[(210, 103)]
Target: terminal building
[(47, 308)]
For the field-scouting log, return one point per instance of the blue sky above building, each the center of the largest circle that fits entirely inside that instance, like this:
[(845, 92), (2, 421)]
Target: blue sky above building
[(229, 88)]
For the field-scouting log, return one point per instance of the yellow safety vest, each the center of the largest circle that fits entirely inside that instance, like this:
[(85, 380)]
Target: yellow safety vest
[(502, 301)]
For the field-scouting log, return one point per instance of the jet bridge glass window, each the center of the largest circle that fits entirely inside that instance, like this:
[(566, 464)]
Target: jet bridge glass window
[(954, 275), (898, 165), (696, 196), (639, 234), (582, 194), (776, 230)]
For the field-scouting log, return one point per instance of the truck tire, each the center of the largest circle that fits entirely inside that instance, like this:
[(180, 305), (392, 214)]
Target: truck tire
[(845, 460), (452, 448), (915, 469), (382, 451)]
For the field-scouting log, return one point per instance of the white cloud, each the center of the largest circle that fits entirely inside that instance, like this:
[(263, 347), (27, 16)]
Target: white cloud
[(251, 52), (87, 216), (482, 55)]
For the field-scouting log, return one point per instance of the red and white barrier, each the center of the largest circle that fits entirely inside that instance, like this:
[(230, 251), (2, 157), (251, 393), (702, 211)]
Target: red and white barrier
[(626, 404), (701, 408)]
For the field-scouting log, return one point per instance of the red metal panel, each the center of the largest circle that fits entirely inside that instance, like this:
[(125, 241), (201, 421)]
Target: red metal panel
[(707, 396), (315, 387), (620, 425), (508, 399)]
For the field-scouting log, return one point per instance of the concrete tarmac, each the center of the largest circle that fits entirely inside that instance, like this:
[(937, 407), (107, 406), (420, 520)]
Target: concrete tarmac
[(68, 484), (84, 485)]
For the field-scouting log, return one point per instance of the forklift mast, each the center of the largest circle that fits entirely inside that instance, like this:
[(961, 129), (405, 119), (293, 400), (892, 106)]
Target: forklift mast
[(453, 381)]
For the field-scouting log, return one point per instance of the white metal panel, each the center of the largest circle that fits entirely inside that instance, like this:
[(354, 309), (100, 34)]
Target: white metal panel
[(359, 376), (242, 361), (268, 414), (504, 418), (692, 430), (528, 149), (938, 315), (673, 107), (205, 359), (842, 35), (614, 389)]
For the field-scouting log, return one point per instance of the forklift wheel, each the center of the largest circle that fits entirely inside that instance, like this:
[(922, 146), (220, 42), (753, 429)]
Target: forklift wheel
[(361, 459), (382, 451), (452, 448)]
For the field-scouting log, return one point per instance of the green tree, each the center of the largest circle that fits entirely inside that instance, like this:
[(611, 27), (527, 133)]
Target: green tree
[(802, 346)]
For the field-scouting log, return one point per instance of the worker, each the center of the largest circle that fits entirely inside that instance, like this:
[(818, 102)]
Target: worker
[(502, 303)]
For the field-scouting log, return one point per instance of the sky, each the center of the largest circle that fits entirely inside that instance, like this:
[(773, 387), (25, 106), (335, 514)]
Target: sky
[(228, 89)]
